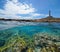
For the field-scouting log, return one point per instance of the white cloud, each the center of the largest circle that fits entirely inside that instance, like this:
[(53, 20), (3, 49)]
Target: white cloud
[(18, 8), (15, 1), (13, 7), (36, 14)]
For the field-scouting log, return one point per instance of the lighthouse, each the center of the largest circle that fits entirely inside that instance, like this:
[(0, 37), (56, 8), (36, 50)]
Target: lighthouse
[(49, 13)]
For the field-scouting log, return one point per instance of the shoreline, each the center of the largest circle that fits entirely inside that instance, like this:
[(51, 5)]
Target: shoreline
[(35, 20)]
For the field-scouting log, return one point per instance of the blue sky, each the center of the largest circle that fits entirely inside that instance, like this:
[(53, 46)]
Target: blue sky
[(29, 9)]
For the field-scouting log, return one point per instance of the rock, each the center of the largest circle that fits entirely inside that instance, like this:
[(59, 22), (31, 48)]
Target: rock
[(58, 49), (41, 36), (36, 42), (43, 42), (57, 43), (30, 50), (37, 49), (43, 49), (50, 42), (2, 42), (56, 39)]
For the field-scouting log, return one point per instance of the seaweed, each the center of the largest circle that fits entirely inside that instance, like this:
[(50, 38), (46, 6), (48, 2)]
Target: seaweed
[(41, 42)]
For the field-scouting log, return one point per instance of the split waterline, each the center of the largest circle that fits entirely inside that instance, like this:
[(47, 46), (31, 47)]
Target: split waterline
[(27, 30)]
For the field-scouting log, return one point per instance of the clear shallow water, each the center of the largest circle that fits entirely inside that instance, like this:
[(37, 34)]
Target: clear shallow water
[(8, 29), (31, 27)]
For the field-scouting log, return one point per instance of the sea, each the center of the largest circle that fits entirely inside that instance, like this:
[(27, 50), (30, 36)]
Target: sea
[(12, 28)]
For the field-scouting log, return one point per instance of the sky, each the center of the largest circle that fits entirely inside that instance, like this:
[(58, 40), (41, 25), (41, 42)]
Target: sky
[(29, 9)]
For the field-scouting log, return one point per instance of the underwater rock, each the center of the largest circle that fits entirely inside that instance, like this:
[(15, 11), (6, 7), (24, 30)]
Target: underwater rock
[(47, 37), (43, 49), (37, 49), (30, 50), (58, 49), (43, 42), (41, 36), (50, 42), (2, 42), (55, 38), (36, 42), (57, 43), (24, 49)]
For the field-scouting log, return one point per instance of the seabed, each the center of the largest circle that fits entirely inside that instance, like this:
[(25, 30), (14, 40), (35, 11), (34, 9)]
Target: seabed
[(40, 42)]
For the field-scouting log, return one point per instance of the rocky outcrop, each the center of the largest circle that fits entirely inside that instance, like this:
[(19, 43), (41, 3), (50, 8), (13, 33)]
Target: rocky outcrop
[(48, 19)]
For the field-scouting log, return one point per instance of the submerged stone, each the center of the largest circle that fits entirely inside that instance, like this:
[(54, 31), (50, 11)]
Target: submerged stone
[(2, 42)]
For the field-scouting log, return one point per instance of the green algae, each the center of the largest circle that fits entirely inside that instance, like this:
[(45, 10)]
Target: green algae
[(19, 42)]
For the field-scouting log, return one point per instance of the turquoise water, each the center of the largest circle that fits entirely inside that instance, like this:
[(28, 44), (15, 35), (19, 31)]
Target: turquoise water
[(30, 28), (33, 29)]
